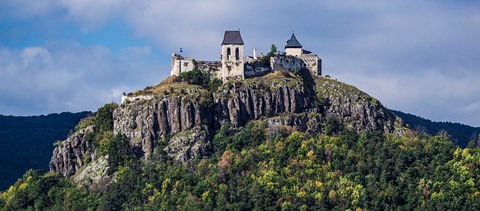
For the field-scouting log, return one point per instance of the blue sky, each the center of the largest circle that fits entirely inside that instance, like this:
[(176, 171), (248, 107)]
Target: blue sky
[(420, 57)]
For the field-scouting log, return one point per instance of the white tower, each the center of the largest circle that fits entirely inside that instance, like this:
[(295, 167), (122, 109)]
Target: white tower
[(293, 47), (232, 56)]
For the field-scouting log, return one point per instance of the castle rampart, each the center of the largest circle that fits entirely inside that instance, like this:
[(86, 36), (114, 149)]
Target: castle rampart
[(233, 64)]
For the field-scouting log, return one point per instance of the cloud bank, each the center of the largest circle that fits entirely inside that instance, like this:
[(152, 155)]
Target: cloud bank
[(65, 76)]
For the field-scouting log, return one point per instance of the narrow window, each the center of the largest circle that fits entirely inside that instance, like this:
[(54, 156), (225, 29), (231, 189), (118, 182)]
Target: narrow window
[(237, 54), (228, 53)]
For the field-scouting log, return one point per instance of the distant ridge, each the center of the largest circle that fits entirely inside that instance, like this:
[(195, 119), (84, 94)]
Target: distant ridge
[(27, 142), (461, 134)]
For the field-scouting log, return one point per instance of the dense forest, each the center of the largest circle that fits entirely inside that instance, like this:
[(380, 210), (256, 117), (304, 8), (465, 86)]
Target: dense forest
[(27, 142), (264, 168), (461, 134)]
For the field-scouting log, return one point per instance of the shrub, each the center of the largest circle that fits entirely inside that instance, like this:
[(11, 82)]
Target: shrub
[(119, 152), (251, 135), (104, 118), (214, 84), (84, 123), (221, 139), (197, 77)]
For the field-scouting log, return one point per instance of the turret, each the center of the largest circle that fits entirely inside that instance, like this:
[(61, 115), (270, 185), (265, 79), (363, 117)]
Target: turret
[(232, 56), (293, 47)]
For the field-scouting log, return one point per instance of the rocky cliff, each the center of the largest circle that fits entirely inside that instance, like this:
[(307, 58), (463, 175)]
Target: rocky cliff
[(73, 153), (146, 122), (354, 108), (180, 119)]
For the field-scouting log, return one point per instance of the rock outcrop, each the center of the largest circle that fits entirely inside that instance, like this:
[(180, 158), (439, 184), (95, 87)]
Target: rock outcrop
[(94, 175), (189, 144), (354, 108), (179, 120), (151, 120), (147, 122), (70, 155), (239, 103), (303, 103)]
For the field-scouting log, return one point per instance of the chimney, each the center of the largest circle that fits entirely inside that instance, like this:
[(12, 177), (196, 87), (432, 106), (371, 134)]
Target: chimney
[(255, 54)]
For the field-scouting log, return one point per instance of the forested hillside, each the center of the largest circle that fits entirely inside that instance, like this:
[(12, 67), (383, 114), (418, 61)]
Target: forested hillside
[(27, 142), (460, 134), (258, 168)]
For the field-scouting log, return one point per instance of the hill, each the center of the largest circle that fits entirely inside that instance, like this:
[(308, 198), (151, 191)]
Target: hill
[(281, 141), (460, 134), (27, 142)]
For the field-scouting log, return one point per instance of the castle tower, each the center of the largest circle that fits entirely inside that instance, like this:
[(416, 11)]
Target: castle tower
[(293, 47), (232, 56)]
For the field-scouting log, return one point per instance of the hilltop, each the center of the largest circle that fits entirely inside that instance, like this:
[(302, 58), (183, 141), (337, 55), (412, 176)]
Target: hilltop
[(183, 118), (284, 140)]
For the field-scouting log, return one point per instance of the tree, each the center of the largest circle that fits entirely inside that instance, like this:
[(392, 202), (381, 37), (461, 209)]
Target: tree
[(273, 50), (197, 77), (104, 117), (119, 152)]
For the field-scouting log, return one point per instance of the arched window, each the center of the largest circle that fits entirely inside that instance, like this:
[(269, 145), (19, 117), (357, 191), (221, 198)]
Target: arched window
[(237, 54), (228, 53)]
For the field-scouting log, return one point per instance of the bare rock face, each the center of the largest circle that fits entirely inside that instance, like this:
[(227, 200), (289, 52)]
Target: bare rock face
[(303, 103), (354, 108), (94, 175), (70, 155), (310, 122), (189, 144), (240, 103), (146, 122), (185, 118)]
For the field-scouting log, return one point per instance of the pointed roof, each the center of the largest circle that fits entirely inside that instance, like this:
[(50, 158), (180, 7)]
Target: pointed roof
[(232, 38), (293, 42)]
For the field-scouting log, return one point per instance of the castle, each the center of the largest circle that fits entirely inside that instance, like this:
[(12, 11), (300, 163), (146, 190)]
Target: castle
[(234, 65)]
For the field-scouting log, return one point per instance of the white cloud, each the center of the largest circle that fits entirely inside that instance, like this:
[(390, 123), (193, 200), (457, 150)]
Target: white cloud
[(66, 76), (429, 94)]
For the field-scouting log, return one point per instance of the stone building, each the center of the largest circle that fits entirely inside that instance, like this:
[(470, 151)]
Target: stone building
[(181, 64), (296, 58), (293, 47), (233, 65)]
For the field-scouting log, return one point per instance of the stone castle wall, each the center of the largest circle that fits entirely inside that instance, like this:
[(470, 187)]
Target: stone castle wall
[(312, 63), (182, 64), (252, 68), (284, 62)]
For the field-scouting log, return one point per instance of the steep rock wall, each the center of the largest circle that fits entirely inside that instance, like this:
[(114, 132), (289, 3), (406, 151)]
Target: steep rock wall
[(183, 120), (354, 108), (240, 103), (145, 122), (68, 157)]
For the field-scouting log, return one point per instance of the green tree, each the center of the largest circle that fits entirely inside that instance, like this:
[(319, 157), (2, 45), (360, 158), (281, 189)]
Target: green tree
[(119, 152), (196, 76), (273, 50), (104, 117)]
